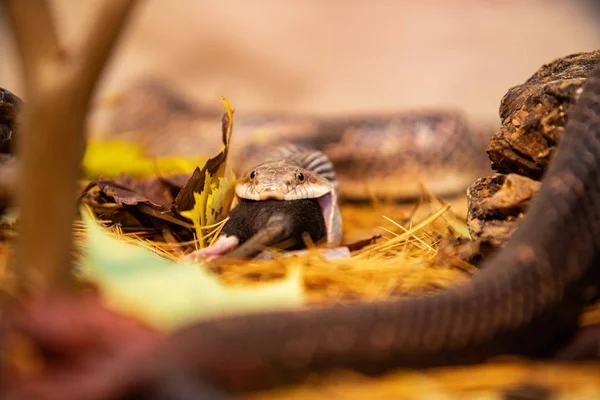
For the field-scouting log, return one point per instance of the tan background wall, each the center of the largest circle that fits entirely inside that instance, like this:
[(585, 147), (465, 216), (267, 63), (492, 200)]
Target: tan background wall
[(338, 55)]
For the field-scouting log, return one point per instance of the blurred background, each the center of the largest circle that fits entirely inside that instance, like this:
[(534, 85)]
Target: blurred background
[(336, 56)]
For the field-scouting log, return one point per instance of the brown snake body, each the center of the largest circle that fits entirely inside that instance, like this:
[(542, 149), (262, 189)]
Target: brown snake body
[(525, 300), (388, 155)]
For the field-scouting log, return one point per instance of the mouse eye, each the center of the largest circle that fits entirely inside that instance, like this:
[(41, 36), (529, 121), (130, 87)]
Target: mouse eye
[(300, 177), (253, 175)]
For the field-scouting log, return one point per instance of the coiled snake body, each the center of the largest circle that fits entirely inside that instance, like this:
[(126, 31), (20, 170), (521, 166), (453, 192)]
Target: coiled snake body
[(383, 155), (333, 159), (525, 299), (388, 155)]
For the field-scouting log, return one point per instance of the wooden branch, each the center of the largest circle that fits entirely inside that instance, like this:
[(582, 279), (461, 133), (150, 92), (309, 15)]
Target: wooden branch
[(35, 34), (50, 146), (100, 39), (8, 177)]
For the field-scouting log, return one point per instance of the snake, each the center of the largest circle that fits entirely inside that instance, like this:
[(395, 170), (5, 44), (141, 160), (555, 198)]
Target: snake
[(295, 173), (525, 300), (376, 154), (330, 159)]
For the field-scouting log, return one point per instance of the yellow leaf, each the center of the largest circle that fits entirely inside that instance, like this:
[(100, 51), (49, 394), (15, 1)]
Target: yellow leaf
[(227, 131), (198, 216), (212, 192), (112, 158), (165, 294), (220, 199)]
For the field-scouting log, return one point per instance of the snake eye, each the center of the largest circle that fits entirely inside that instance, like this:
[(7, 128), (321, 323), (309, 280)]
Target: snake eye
[(252, 175), (300, 177)]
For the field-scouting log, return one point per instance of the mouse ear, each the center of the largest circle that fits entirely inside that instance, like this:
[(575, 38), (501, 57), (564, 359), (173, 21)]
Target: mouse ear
[(332, 216)]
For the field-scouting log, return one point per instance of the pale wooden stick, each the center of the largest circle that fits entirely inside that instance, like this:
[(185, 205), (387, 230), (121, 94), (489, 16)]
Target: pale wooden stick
[(99, 41), (35, 34), (51, 142)]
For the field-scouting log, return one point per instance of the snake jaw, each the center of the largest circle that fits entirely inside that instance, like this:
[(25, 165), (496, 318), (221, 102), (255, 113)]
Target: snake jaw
[(332, 216), (250, 193), (307, 192)]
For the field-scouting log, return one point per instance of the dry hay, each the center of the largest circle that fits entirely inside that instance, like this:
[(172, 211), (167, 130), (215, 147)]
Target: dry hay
[(504, 379), (402, 263)]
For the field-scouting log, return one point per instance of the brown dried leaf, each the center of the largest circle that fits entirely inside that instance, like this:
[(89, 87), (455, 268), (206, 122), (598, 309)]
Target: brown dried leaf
[(215, 167)]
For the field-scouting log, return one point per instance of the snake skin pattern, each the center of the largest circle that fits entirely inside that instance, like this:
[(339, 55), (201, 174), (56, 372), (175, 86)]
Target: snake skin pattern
[(387, 155), (525, 300)]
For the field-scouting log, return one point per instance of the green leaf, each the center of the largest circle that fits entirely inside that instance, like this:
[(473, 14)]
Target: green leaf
[(136, 281)]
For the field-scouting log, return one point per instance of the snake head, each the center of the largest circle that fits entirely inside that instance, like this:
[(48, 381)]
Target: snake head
[(281, 180)]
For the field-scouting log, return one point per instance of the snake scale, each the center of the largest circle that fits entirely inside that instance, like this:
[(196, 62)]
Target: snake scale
[(525, 300)]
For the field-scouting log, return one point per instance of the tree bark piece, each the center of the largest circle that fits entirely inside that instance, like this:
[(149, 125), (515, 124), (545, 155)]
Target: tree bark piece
[(534, 115), (533, 118), (497, 204), (10, 106)]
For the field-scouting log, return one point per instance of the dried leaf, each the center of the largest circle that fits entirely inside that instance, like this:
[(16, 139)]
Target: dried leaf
[(125, 196), (197, 214), (137, 204), (220, 200), (211, 209), (361, 243), (207, 196)]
